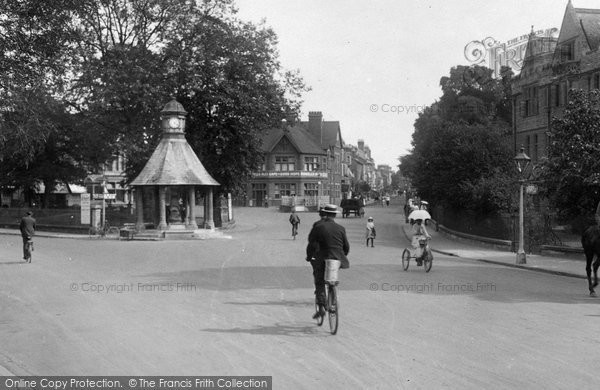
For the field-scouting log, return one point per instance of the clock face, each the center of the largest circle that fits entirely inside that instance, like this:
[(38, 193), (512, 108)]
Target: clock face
[(173, 122)]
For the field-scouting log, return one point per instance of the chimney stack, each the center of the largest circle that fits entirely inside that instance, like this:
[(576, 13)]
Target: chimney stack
[(315, 122), (361, 144)]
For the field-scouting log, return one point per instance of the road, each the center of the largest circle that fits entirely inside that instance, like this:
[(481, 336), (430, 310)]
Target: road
[(243, 306)]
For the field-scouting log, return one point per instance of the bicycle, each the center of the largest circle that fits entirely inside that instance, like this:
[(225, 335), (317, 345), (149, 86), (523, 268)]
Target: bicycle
[(28, 249), (331, 297), (105, 231), (425, 259)]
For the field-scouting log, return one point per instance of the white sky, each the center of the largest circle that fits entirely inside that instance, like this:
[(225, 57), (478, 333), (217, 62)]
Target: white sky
[(355, 54)]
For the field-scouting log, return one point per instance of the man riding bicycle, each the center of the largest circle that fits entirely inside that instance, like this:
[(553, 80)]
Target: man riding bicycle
[(27, 227), (327, 240)]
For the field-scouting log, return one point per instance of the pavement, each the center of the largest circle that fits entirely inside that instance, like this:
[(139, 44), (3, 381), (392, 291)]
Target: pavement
[(565, 264)]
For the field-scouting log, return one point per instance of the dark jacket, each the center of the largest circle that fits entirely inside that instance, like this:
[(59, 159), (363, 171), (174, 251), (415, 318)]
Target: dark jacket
[(27, 226), (328, 240), (294, 219)]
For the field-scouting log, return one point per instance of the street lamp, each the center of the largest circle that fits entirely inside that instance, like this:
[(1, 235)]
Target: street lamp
[(318, 197), (522, 161)]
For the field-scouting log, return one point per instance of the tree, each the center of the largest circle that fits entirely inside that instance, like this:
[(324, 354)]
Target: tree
[(571, 172), (140, 54), (100, 71), (464, 166), (461, 155), (38, 140), (237, 91)]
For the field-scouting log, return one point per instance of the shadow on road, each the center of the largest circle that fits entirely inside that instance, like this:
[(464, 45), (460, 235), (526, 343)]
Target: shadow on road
[(278, 329), (12, 262), (303, 303), (447, 278)]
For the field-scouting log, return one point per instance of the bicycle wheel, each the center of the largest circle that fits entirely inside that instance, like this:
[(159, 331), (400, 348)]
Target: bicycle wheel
[(405, 259), (333, 309), (319, 318), (29, 248), (428, 260)]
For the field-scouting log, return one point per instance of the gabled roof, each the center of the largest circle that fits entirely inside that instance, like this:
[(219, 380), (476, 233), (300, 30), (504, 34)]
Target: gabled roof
[(298, 136), (589, 20), (581, 22), (331, 131)]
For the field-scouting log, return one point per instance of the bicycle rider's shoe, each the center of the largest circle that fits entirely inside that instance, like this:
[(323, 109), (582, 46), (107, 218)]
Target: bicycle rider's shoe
[(320, 313)]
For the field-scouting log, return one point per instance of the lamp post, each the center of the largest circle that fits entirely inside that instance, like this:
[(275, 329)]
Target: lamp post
[(522, 161), (318, 197)]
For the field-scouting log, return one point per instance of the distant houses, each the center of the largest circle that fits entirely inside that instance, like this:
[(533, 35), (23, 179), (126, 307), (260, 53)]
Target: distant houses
[(307, 163)]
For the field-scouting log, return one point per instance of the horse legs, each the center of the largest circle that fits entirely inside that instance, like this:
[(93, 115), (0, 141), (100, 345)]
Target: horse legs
[(596, 266), (589, 257)]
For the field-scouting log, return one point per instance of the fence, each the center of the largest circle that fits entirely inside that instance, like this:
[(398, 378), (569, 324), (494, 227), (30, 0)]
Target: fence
[(306, 201), (66, 217), (541, 227)]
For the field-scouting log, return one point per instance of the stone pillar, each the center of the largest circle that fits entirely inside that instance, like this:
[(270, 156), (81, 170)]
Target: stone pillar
[(139, 207), (162, 208), (191, 214), (210, 223)]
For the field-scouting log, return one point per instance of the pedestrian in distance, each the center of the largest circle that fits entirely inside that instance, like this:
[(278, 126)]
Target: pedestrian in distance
[(295, 221), (326, 240), (370, 231), (27, 227)]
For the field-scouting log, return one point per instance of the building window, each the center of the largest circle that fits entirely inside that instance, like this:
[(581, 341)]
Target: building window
[(596, 83), (535, 148), (311, 189), (567, 51), (556, 95), (284, 189), (531, 101), (528, 145), (285, 163), (311, 163)]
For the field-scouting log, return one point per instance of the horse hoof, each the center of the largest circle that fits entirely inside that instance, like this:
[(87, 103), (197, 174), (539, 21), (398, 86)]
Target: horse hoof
[(592, 294)]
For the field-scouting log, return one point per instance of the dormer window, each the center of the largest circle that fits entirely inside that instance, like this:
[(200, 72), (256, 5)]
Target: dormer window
[(285, 163), (567, 51)]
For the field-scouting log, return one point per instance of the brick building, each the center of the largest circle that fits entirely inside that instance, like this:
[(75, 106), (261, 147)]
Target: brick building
[(552, 67), (362, 167), (304, 164)]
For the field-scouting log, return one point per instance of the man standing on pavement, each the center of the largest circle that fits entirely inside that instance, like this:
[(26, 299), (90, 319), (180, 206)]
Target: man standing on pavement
[(27, 227), (327, 240)]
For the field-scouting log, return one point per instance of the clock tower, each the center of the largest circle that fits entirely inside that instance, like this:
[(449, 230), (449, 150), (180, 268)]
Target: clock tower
[(173, 117), (170, 179)]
